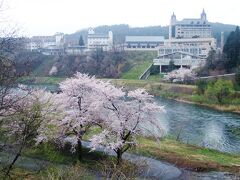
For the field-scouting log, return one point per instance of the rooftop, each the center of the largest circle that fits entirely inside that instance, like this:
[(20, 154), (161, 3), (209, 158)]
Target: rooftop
[(192, 21), (144, 38)]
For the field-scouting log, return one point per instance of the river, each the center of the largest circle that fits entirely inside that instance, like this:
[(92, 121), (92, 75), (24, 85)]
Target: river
[(197, 125), (201, 126)]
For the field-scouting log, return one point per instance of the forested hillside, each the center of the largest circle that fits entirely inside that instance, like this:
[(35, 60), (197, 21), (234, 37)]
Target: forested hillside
[(122, 30), (98, 63)]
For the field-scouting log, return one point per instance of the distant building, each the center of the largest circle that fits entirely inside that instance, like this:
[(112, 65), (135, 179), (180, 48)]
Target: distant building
[(189, 43), (184, 52), (190, 28), (45, 42), (48, 45), (180, 59), (52, 50), (39, 42), (75, 50), (104, 41), (143, 42), (194, 46)]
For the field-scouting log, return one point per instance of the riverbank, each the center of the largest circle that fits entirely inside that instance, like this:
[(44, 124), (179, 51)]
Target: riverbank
[(201, 101), (188, 156), (47, 161), (178, 92)]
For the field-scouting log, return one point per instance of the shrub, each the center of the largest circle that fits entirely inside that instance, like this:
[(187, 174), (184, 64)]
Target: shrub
[(126, 170), (74, 173), (219, 90), (237, 76), (201, 86)]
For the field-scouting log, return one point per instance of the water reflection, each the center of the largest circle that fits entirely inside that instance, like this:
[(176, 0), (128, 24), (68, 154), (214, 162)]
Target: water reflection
[(214, 135), (201, 126)]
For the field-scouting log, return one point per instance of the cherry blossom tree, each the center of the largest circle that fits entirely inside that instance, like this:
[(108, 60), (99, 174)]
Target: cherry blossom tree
[(25, 119), (180, 75), (80, 102), (87, 101), (127, 116)]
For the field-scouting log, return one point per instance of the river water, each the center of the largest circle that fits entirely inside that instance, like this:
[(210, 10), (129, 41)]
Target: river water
[(201, 126), (197, 125)]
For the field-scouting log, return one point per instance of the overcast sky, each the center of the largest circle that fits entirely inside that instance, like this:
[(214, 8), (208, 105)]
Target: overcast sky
[(46, 17)]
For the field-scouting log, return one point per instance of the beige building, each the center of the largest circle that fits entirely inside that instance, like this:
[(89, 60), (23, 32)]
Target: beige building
[(190, 28), (189, 43)]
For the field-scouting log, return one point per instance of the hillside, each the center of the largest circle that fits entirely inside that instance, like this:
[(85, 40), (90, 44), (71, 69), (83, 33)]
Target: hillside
[(101, 64), (139, 62), (122, 30)]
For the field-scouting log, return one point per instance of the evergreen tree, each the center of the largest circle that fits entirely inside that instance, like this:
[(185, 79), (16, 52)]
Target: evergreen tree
[(81, 41), (232, 49), (171, 66)]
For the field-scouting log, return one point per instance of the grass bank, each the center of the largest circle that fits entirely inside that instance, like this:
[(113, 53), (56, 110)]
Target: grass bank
[(61, 161), (94, 163), (179, 92), (41, 80), (189, 156), (139, 62), (183, 155)]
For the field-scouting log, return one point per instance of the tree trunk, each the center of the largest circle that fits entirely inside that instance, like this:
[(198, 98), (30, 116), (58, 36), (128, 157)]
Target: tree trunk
[(79, 150), (119, 156), (13, 162)]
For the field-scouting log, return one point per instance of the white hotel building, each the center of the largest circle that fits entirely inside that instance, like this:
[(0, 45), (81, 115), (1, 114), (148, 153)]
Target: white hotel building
[(95, 41), (189, 43), (190, 28)]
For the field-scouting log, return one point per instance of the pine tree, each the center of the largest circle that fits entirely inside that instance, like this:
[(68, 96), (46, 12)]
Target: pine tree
[(232, 49), (81, 41)]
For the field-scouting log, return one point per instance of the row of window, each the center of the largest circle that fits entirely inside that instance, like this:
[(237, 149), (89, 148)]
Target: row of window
[(188, 50), (196, 25), (134, 47)]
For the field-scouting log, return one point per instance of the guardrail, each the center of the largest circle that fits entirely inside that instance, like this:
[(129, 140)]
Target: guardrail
[(224, 76), (146, 73)]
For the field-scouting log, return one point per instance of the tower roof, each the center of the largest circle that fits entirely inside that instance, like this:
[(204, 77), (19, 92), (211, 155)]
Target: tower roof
[(203, 15), (173, 16)]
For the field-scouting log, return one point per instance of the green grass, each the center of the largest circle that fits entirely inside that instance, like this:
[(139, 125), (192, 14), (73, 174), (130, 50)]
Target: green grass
[(49, 152), (180, 92), (184, 155), (167, 149), (137, 70), (75, 172), (153, 87), (139, 61), (64, 164), (41, 80), (189, 156), (155, 77)]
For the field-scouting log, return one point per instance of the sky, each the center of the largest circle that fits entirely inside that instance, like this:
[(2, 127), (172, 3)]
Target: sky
[(46, 17)]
